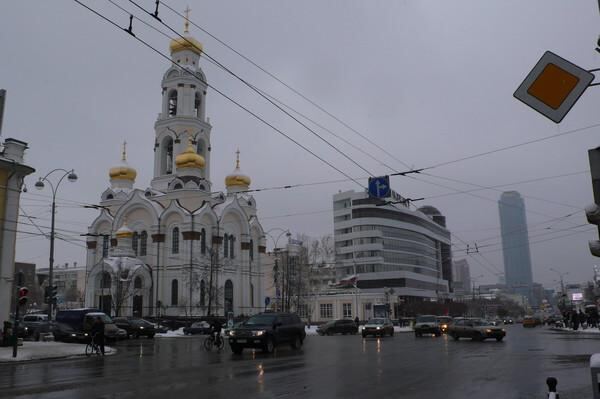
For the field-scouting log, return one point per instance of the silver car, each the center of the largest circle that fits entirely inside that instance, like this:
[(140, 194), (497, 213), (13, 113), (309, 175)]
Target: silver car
[(378, 327)]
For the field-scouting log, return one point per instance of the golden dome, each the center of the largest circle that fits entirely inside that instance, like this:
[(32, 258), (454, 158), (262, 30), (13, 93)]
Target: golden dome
[(189, 158), (123, 171), (237, 178), (124, 232), (186, 43)]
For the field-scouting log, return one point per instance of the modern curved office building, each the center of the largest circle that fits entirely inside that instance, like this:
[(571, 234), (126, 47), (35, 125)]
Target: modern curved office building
[(400, 252)]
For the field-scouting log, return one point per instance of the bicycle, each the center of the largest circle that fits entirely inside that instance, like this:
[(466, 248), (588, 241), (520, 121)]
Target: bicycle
[(92, 347), (214, 340)]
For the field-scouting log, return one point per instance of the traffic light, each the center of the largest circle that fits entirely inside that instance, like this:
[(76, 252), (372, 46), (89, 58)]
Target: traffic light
[(50, 294), (593, 211), (22, 294)]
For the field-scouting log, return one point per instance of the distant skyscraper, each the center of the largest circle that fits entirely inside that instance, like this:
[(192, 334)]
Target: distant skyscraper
[(462, 276), (515, 243)]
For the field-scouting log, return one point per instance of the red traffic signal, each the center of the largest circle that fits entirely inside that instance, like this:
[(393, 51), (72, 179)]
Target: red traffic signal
[(23, 292)]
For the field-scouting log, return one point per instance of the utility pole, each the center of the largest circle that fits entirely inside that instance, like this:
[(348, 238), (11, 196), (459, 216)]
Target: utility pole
[(593, 211)]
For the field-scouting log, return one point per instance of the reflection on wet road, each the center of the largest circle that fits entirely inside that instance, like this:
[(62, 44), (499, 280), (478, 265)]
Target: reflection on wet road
[(327, 367)]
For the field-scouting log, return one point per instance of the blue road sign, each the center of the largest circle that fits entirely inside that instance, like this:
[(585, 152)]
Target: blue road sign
[(267, 300), (379, 186)]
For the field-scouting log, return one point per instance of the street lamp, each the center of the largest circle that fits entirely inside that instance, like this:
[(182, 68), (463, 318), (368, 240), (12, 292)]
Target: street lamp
[(563, 294), (275, 249), (72, 177)]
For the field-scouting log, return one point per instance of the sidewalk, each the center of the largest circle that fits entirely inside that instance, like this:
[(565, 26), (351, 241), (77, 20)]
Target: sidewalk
[(45, 350)]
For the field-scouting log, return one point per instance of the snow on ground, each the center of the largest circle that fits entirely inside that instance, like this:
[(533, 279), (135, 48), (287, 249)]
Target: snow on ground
[(46, 350), (171, 334), (580, 330)]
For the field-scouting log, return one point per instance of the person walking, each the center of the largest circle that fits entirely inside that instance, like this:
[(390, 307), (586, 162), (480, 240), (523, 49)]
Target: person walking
[(98, 333), (575, 320), (357, 321)]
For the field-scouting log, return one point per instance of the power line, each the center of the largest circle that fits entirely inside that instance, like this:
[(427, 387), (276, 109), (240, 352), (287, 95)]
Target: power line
[(239, 105)]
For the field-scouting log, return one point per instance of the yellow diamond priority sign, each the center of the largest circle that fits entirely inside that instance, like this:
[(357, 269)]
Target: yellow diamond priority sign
[(553, 86)]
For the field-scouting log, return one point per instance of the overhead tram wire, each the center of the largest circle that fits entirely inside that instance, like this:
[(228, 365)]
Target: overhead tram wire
[(257, 91), (288, 86), (239, 105)]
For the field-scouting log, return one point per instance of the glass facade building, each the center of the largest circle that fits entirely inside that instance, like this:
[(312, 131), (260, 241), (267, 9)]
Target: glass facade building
[(392, 246)]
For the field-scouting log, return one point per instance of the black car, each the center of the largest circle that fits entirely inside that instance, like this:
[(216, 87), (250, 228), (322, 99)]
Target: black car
[(199, 327), (266, 331), (65, 333), (344, 326), (135, 327)]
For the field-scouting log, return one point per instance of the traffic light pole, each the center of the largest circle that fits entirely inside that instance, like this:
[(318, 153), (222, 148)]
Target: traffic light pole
[(16, 325), (51, 261)]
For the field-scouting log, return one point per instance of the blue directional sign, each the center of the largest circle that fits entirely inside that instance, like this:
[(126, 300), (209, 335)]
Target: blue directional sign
[(267, 300), (379, 186)]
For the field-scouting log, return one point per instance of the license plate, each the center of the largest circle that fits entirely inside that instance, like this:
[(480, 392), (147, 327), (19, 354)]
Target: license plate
[(241, 341)]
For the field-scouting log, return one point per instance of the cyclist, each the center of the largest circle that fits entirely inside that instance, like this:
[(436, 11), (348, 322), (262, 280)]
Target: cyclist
[(98, 333), (215, 330)]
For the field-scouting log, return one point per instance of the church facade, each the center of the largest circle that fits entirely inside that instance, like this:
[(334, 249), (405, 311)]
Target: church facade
[(177, 247)]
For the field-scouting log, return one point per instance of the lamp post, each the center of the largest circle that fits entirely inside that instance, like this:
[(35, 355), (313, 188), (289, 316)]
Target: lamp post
[(275, 249), (562, 285), (72, 177)]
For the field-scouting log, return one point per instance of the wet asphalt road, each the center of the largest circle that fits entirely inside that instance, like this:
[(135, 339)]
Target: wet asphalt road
[(327, 367)]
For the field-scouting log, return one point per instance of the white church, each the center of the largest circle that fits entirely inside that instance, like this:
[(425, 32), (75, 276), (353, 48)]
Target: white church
[(177, 247)]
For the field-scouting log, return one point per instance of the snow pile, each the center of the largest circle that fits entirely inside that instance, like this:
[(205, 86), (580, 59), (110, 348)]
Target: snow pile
[(580, 330), (312, 330), (171, 334), (46, 350)]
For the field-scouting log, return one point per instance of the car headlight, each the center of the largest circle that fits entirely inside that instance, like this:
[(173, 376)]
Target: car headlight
[(141, 328), (259, 333), (231, 333), (488, 331), (444, 325), (379, 328), (85, 334)]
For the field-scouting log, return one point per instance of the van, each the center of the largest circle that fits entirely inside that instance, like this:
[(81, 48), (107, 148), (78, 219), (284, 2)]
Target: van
[(81, 320)]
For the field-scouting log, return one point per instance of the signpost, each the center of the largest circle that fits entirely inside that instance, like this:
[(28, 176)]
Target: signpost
[(553, 86), (379, 187)]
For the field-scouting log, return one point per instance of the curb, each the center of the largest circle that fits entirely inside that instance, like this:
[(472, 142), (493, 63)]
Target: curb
[(59, 357)]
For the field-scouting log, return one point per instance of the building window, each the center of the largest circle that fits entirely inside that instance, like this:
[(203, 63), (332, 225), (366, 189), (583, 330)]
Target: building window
[(225, 246), (231, 242), (346, 310), (251, 295), (251, 250), (175, 241), (174, 293), (203, 241), (202, 292), (166, 158), (302, 310), (326, 310), (105, 242), (197, 103), (134, 243), (137, 283), (106, 280), (143, 243), (172, 110), (228, 296)]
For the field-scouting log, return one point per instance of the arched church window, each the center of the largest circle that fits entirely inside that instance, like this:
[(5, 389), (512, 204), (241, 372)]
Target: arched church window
[(201, 187), (137, 283), (105, 242), (166, 156), (231, 242), (202, 292), (177, 186), (172, 103), (169, 165), (134, 243), (110, 196), (228, 296), (197, 103), (200, 147), (106, 280), (175, 240), (203, 241), (225, 246), (251, 250), (174, 293), (143, 243)]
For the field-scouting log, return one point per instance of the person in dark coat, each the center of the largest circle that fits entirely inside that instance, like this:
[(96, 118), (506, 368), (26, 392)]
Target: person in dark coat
[(357, 321), (98, 333), (575, 320)]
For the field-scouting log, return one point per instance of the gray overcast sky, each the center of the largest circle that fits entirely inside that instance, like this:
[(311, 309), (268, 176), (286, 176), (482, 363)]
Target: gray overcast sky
[(430, 81)]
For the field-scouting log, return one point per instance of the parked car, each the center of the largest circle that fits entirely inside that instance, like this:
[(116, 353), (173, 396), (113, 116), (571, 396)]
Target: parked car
[(65, 333), (199, 327), (267, 331), (34, 325), (343, 326), (378, 327), (135, 327), (427, 324), (509, 321), (476, 329), (444, 322)]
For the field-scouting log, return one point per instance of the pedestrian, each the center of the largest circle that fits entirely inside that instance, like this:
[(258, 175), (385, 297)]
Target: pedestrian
[(575, 320), (98, 333), (582, 319), (357, 321)]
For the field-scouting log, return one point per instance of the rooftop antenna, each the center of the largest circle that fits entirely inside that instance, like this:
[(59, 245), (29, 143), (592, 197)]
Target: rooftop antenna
[(2, 101)]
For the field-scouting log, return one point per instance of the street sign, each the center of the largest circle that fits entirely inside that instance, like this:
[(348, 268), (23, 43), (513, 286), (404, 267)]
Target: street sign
[(553, 86), (267, 300), (379, 187)]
